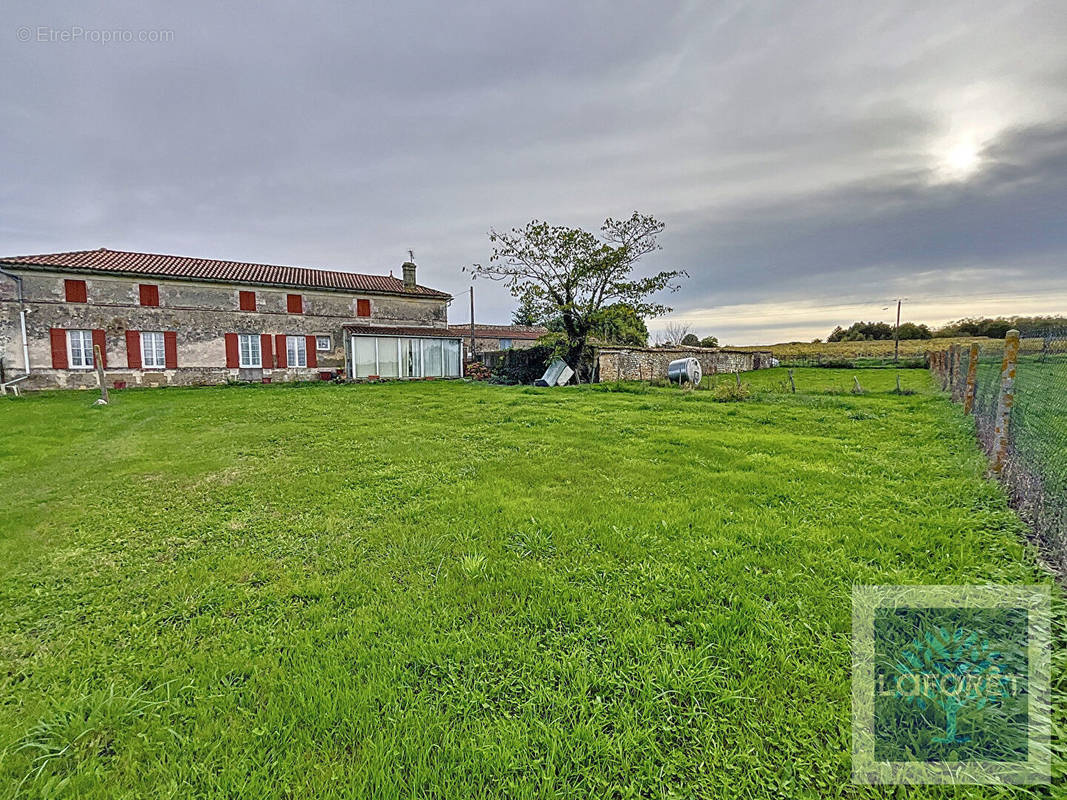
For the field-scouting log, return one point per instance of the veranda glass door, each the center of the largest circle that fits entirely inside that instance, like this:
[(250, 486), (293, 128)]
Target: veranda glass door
[(365, 357), (410, 358)]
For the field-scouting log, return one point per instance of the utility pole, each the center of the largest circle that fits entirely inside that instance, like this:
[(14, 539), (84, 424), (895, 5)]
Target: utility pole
[(472, 322), (896, 335)]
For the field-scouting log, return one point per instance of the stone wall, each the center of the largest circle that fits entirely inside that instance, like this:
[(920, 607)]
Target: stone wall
[(647, 363), (200, 313)]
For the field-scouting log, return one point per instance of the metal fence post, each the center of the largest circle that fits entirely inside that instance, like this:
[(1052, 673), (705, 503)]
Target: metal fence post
[(972, 381), (1006, 400)]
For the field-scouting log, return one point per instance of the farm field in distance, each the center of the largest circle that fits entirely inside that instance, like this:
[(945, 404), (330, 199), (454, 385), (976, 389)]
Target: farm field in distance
[(881, 348), (458, 590)]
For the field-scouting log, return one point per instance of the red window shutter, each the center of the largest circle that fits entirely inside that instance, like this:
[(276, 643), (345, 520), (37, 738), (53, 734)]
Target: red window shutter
[(170, 349), (279, 346), (264, 346), (100, 340), (75, 291), (248, 301), (233, 351), (133, 349), (363, 308), (59, 348), (313, 356), (295, 303), (149, 294)]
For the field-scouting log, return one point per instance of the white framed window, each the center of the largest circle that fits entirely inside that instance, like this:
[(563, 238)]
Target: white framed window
[(296, 351), (323, 343), (410, 358), (251, 357), (505, 344), (153, 350), (80, 349), (388, 357), (416, 357)]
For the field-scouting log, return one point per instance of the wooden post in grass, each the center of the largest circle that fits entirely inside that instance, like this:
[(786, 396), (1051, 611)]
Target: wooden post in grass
[(98, 359), (1006, 399), (738, 373), (972, 381), (792, 383), (957, 374)]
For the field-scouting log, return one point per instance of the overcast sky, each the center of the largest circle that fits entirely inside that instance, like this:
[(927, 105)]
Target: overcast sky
[(812, 161)]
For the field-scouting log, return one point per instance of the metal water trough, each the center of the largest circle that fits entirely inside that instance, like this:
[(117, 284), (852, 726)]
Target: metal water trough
[(684, 370), (557, 374)]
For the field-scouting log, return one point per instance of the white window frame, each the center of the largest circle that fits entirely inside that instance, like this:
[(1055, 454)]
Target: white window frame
[(319, 340), (253, 344), (399, 354), (295, 345), (85, 349), (506, 344), (161, 351)]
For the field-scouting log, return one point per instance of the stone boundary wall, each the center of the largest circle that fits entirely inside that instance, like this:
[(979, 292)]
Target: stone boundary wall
[(647, 363)]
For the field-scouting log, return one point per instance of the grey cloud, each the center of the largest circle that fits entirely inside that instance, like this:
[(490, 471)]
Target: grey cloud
[(787, 145)]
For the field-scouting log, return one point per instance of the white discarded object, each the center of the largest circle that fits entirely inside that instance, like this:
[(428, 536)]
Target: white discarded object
[(557, 374), (684, 370)]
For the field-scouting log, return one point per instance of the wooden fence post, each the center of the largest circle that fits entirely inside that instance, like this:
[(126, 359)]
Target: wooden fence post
[(957, 374), (98, 359), (792, 383), (1006, 399), (972, 381), (951, 383)]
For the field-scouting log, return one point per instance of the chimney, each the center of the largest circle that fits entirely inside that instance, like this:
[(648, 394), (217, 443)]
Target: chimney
[(409, 274)]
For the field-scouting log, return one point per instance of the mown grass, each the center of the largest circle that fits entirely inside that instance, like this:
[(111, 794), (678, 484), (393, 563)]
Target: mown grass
[(459, 590)]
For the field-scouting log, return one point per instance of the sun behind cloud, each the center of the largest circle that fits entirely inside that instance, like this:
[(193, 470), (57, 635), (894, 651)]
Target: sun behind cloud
[(959, 158)]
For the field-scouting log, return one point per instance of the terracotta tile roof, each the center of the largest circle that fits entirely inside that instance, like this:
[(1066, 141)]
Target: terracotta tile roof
[(500, 331), (213, 270), (393, 330)]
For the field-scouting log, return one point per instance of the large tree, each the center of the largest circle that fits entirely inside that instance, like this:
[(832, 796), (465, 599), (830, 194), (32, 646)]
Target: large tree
[(573, 273)]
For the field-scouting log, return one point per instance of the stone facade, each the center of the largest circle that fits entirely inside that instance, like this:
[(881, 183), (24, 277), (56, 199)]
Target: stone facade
[(200, 313), (490, 338), (647, 363)]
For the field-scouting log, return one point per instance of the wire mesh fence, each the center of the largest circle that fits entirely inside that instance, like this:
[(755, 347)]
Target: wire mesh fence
[(1019, 402)]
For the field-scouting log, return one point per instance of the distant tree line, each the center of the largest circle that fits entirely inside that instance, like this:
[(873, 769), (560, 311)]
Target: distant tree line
[(991, 327), (997, 327), (874, 331)]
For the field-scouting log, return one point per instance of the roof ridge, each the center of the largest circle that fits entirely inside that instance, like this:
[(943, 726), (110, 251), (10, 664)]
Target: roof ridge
[(218, 269), (199, 258)]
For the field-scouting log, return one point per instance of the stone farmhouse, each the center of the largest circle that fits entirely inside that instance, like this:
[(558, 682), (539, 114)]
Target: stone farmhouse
[(488, 338), (170, 320)]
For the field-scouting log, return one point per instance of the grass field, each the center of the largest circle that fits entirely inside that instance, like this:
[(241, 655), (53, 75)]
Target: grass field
[(884, 349), (873, 349), (457, 590)]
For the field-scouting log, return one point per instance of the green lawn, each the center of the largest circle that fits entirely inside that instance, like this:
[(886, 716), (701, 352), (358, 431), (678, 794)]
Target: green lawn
[(457, 590)]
